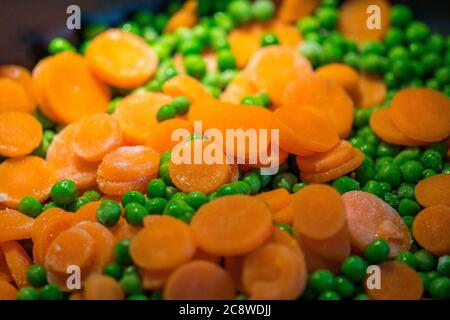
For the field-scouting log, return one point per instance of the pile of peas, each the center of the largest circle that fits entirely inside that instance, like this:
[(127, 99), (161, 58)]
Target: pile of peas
[(410, 55)]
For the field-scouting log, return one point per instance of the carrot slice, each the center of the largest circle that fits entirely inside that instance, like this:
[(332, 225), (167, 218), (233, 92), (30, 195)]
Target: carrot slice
[(292, 10), (430, 229), (288, 63), (244, 42), (71, 247), (5, 273), (243, 221), (276, 199), (344, 75), (398, 282), (233, 265), (286, 33), (319, 211), (14, 225), (324, 97), (199, 280), (185, 17), (18, 262), (154, 279), (101, 287), (186, 86), (434, 190), (325, 161), (87, 212), (335, 248), (7, 290), (96, 136), (202, 255), (274, 271), (302, 129), (13, 97), (342, 170), (164, 243), (121, 59), (284, 215), (371, 90), (103, 246), (21, 76), (354, 19), (71, 91), (127, 164), (369, 218), (25, 176), (382, 125), (198, 174), (61, 156), (238, 88), (123, 230), (160, 137), (20, 133), (285, 239), (422, 114), (114, 188), (137, 115)]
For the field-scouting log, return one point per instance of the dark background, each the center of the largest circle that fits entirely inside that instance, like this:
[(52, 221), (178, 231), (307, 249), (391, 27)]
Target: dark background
[(26, 26)]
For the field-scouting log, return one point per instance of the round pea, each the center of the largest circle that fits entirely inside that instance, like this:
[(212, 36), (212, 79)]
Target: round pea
[(408, 258), (377, 251), (240, 10), (252, 179), (425, 261), (133, 196), (412, 171), (196, 199), (344, 287), (374, 188), (121, 252), (263, 10), (406, 190), (113, 270), (135, 213), (195, 66), (131, 284), (354, 268), (328, 17), (64, 192), (30, 206), (156, 188), (431, 159), (440, 288), (226, 60), (269, 39), (391, 199), (408, 207), (155, 205), (417, 31), (443, 266), (92, 195), (27, 293), (108, 213), (59, 44), (345, 184), (50, 292), (37, 275), (322, 280), (401, 15)]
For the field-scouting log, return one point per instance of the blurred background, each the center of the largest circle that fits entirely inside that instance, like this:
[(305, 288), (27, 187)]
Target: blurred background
[(26, 26)]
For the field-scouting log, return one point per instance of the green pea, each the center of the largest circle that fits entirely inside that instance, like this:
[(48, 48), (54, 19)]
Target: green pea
[(131, 284), (394, 37), (313, 51), (133, 196), (374, 188), (224, 21), (227, 76), (135, 213), (373, 47), (113, 270), (431, 61), (406, 155), (37, 275), (155, 205), (30, 206), (180, 210), (196, 199), (345, 184), (329, 295), (298, 186), (438, 147), (398, 53), (428, 173), (406, 190), (226, 60), (332, 53), (402, 69), (77, 204), (285, 227), (440, 288), (322, 280), (385, 187), (373, 63), (354, 268), (443, 266), (64, 192), (195, 65), (408, 258), (391, 199), (213, 196), (416, 49), (91, 195), (364, 174), (284, 180), (263, 10), (328, 17), (156, 295), (171, 191), (228, 190), (425, 261), (132, 27), (252, 179), (344, 287), (163, 173), (361, 296), (352, 59), (308, 24), (240, 11), (156, 188), (50, 292), (121, 252), (442, 75), (431, 159), (241, 297), (377, 251), (417, 31), (59, 44), (382, 161), (412, 171), (27, 293), (409, 221), (166, 112), (408, 207), (108, 213), (401, 15), (269, 39), (362, 117)]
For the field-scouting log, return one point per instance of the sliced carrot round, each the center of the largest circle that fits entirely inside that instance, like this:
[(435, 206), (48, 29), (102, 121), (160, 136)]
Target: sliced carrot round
[(14, 225), (287, 62), (68, 166), (101, 287), (20, 134), (71, 91), (232, 225), (127, 164), (233, 265), (137, 115), (398, 282), (284, 215), (274, 271), (422, 114), (276, 199), (41, 220), (96, 136), (20, 75), (121, 59), (164, 243), (371, 91), (319, 211), (287, 33), (244, 42), (343, 75), (186, 86), (199, 280), (382, 125), (71, 247), (18, 262), (434, 190), (5, 273), (431, 227), (195, 172), (25, 176), (185, 17), (160, 137), (114, 188), (13, 97), (292, 10), (238, 88), (7, 290), (324, 97), (343, 169), (369, 218), (154, 279), (87, 212), (353, 21)]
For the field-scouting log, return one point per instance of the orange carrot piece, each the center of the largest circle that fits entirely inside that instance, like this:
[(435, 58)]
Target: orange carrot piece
[(123, 230), (345, 168), (284, 215), (42, 219), (371, 91), (238, 88), (382, 125), (344, 75), (68, 166), (398, 282), (283, 238), (369, 218), (21, 76), (244, 42), (199, 280), (354, 18), (87, 212), (319, 211), (154, 279), (96, 136), (184, 85), (233, 265), (185, 17), (422, 114), (286, 33), (101, 287), (13, 97), (20, 134), (113, 188), (243, 221), (434, 190), (202, 255), (274, 271), (288, 63), (292, 10), (430, 229), (160, 137), (25, 176), (5, 273), (164, 243), (276, 199), (7, 290), (121, 59), (137, 115), (18, 262), (324, 97)]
